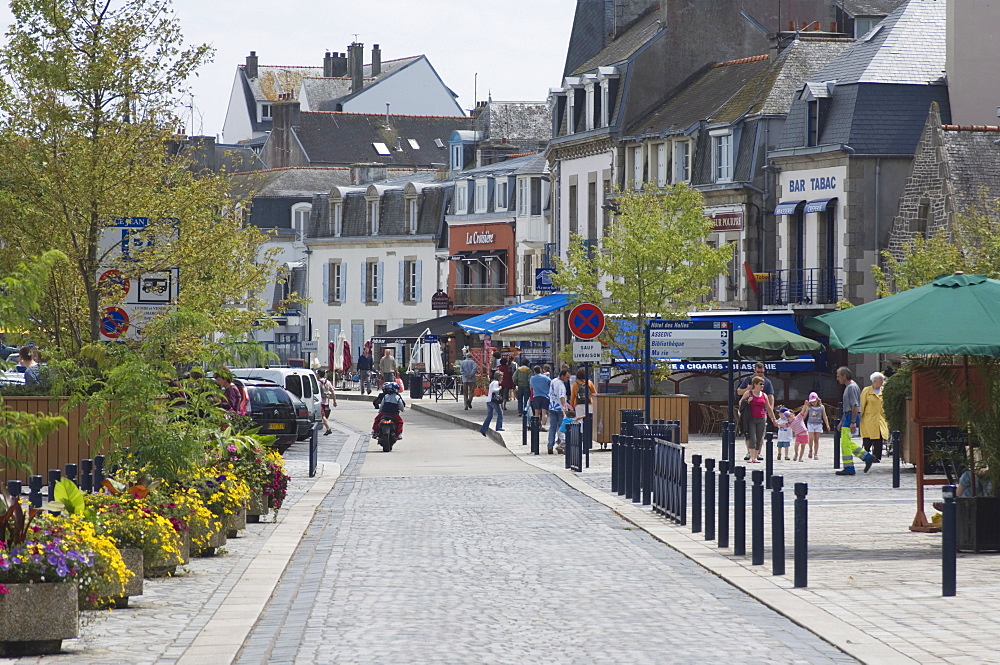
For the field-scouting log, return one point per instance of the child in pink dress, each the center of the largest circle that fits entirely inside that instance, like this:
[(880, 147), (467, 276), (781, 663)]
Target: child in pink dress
[(801, 434)]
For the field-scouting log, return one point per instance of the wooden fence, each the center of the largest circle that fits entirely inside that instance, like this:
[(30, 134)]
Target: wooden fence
[(665, 407), (63, 446)]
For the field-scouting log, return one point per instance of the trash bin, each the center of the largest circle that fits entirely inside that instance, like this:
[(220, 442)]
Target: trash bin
[(416, 386)]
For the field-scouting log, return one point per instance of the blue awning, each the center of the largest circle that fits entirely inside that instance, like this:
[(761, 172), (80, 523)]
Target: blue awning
[(508, 317), (788, 207), (820, 205)]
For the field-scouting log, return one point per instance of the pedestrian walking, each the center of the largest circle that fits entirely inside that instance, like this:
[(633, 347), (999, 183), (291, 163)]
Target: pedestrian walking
[(849, 425), (494, 398), (507, 381), (581, 393), (327, 394), (816, 423), (744, 387), (558, 406), (469, 370), (387, 365), (522, 383), (874, 428), (760, 408), (540, 384), (366, 365), (784, 425)]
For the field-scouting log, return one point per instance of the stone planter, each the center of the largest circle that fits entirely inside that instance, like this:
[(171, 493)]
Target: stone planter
[(978, 524), (132, 558), (257, 507), (165, 564), (236, 522), (185, 537), (36, 618), (215, 541)]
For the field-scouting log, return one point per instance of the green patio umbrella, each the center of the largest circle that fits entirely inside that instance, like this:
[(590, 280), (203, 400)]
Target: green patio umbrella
[(766, 342), (954, 314)]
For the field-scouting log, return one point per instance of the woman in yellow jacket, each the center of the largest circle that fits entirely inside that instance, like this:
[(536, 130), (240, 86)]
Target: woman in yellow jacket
[(874, 428)]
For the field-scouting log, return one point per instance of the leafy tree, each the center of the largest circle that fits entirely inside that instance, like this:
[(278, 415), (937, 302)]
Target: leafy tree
[(86, 138), (653, 262)]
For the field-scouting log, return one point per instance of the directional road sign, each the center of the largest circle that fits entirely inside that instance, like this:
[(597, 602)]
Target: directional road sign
[(586, 321), (689, 339)]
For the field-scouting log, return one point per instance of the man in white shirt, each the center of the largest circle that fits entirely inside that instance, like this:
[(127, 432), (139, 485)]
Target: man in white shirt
[(557, 406)]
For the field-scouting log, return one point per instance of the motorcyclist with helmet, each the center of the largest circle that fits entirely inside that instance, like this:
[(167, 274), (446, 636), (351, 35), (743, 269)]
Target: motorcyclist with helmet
[(389, 403)]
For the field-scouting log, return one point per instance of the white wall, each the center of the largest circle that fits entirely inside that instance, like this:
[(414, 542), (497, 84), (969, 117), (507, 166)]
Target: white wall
[(353, 254), (237, 126), (582, 168), (414, 90)]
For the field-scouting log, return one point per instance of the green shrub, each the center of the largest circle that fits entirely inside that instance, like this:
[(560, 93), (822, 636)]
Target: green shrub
[(897, 389)]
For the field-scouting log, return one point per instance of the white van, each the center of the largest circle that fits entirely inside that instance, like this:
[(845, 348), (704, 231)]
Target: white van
[(300, 381)]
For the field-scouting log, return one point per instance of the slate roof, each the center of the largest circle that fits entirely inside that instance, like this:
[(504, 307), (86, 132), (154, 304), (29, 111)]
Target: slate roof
[(870, 7), (908, 48), (346, 138), (515, 121), (699, 97), (797, 63), (275, 80), (973, 163), (625, 45), (588, 34)]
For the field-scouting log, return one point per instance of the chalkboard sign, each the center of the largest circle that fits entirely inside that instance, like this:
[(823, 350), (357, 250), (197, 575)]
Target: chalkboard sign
[(944, 444)]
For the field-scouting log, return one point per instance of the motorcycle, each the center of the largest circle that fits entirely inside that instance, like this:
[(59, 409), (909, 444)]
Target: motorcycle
[(386, 432)]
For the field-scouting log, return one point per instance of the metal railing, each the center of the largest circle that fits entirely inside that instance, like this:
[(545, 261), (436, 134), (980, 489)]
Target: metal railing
[(804, 286), (479, 296)]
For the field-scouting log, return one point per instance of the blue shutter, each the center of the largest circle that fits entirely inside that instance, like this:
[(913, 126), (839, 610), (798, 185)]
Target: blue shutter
[(343, 282), (402, 281), (364, 281), (326, 283), (381, 281), (419, 268)]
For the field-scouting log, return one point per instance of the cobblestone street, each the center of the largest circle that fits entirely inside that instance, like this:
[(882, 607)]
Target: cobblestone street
[(500, 564)]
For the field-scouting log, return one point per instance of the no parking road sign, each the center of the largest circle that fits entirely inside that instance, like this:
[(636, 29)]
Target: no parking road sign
[(586, 321)]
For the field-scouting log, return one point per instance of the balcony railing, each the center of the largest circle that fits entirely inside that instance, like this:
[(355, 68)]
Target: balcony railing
[(806, 286), (479, 296)]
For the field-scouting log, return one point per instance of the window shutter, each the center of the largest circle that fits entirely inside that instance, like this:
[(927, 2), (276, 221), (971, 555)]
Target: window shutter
[(380, 280), (402, 281), (364, 282), (419, 268), (341, 282), (326, 283)]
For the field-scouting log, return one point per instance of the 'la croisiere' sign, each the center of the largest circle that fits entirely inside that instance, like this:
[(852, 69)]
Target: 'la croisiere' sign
[(480, 238)]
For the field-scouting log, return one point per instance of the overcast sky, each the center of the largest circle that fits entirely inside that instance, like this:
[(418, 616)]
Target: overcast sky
[(517, 46)]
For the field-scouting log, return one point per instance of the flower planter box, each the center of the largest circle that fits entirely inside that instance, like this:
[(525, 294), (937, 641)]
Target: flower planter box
[(132, 558), (258, 507), (607, 412), (978, 522), (36, 618), (166, 564), (236, 522), (215, 541), (185, 546)]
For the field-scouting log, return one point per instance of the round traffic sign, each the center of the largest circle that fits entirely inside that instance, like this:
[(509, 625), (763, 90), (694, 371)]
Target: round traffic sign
[(114, 323), (586, 321)]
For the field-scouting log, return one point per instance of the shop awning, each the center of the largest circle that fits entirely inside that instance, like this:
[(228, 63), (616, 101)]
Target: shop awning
[(820, 205), (508, 317), (443, 325), (539, 330), (788, 207)]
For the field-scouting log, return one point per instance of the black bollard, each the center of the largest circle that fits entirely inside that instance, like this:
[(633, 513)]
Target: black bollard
[(647, 470), (534, 424), (86, 476), (801, 536), (54, 476), (70, 472), (14, 488), (35, 491), (836, 436), (98, 472), (948, 542), (769, 455), (896, 445), (757, 518), (615, 465), (524, 428), (777, 526), (740, 511), (724, 504), (695, 493), (710, 499), (588, 438)]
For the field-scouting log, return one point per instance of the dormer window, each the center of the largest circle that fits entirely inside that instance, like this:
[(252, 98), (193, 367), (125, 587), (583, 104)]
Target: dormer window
[(265, 112), (500, 195), (457, 160), (722, 154), (412, 210), (300, 218), (682, 161), (373, 221), (482, 195), (461, 197), (338, 219)]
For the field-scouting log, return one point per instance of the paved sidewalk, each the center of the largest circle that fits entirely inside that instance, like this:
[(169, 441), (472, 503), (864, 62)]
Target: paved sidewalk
[(874, 586)]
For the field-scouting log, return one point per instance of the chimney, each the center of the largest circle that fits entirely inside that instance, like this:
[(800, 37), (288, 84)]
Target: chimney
[(356, 66), (327, 65), (251, 67), (363, 172), (376, 60), (286, 118), (338, 65)]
